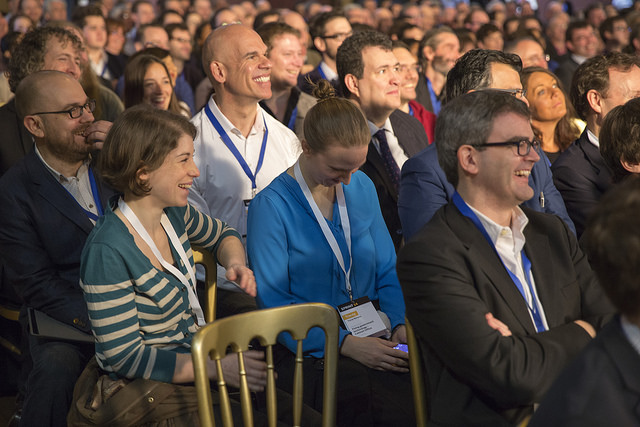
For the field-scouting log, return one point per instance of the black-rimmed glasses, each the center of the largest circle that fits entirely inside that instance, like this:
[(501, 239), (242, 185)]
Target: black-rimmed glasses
[(339, 36), (523, 146), (74, 112)]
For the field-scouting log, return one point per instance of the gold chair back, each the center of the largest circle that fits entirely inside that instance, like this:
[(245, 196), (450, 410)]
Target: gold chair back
[(237, 331), (417, 377), (203, 257)]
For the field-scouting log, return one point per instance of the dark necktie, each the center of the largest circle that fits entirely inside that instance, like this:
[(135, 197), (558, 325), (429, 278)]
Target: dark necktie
[(389, 162)]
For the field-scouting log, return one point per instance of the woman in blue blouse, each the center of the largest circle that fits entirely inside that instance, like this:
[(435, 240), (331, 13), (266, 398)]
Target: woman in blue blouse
[(316, 234)]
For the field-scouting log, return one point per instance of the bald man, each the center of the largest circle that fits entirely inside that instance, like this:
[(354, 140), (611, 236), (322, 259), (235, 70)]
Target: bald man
[(49, 203), (240, 148)]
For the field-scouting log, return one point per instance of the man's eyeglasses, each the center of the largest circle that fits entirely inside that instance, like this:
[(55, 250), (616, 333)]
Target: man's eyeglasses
[(518, 93), (339, 36), (523, 146), (74, 112), (416, 68)]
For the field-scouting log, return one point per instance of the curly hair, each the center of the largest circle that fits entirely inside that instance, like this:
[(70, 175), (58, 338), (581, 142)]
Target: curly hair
[(28, 56)]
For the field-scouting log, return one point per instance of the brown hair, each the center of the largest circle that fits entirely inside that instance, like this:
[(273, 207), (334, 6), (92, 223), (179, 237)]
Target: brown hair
[(140, 140), (620, 138), (134, 74), (566, 130), (334, 120)]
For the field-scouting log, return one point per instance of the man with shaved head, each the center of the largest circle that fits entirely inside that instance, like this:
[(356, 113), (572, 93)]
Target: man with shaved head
[(240, 148), (49, 203)]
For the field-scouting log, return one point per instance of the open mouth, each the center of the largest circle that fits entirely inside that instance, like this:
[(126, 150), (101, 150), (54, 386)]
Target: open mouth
[(80, 130), (185, 186), (262, 79), (523, 173)]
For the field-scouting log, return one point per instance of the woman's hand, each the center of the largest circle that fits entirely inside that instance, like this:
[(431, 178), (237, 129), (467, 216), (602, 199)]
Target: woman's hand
[(243, 277), (400, 335), (255, 367), (375, 353)]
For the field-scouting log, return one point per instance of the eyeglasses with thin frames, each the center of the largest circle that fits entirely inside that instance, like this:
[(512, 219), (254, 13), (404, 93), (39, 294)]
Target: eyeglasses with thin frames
[(74, 112), (523, 146)]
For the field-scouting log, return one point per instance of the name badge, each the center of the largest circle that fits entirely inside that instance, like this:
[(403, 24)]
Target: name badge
[(362, 319)]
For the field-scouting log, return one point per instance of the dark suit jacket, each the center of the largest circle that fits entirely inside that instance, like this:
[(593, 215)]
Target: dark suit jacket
[(600, 388), (422, 94), (42, 235), (315, 75), (582, 177), (15, 140), (566, 68), (451, 277), (412, 138), (424, 188)]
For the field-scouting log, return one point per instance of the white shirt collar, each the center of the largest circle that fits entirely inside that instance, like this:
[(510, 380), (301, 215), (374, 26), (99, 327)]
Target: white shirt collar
[(230, 128), (632, 332), (328, 72), (519, 221), (593, 138)]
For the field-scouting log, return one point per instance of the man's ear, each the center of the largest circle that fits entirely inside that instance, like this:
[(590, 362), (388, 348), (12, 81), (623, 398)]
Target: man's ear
[(570, 45), (428, 53), (467, 160), (352, 84), (218, 71), (632, 167), (34, 125), (320, 44), (595, 100)]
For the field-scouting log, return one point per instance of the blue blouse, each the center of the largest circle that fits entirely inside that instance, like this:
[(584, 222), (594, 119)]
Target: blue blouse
[(293, 263)]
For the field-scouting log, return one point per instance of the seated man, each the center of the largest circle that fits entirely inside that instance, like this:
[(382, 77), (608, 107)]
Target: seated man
[(49, 203), (620, 140), (602, 386), (501, 298), (423, 185)]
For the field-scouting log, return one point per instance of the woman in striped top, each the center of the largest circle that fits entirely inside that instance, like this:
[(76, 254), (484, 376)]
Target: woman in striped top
[(137, 268)]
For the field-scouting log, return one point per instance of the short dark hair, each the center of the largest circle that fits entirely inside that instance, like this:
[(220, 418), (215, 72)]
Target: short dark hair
[(261, 17), (143, 28), (620, 138), (575, 25), (612, 243), (140, 139), (593, 74), (468, 120), (431, 38), (486, 30), (607, 25), (473, 71), (349, 57), (271, 30), (170, 28), (136, 4), (318, 22), (28, 55), (80, 14)]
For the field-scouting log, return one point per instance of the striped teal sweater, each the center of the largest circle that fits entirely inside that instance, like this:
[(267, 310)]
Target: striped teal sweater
[(141, 316)]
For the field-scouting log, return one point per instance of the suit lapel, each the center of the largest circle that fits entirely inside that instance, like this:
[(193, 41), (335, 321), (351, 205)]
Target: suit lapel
[(491, 265), (55, 194), (593, 156), (375, 160)]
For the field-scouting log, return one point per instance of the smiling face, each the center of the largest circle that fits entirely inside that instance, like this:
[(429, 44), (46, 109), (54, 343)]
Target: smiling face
[(408, 74), (157, 87), (378, 90), (546, 100), (584, 42), (445, 54), (170, 183), (334, 165), (62, 57), (287, 58), (502, 175)]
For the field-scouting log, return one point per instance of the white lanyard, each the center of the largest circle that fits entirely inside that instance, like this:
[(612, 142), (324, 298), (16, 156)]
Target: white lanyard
[(175, 242), (344, 218)]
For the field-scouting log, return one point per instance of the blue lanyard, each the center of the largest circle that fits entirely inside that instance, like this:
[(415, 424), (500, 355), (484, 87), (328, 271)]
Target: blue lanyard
[(96, 198), (292, 119), (435, 102), (227, 141), (322, 73), (526, 264), (410, 110)]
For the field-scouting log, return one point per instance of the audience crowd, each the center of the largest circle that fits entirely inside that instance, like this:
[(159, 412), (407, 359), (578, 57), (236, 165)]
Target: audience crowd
[(465, 167)]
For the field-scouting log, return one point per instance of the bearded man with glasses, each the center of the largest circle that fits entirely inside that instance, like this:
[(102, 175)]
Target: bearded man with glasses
[(49, 203), (500, 296)]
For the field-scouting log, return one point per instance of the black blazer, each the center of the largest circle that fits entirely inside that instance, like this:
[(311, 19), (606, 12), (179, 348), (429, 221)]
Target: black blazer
[(566, 68), (451, 277), (600, 388), (422, 93), (42, 235), (412, 138), (582, 177), (15, 140)]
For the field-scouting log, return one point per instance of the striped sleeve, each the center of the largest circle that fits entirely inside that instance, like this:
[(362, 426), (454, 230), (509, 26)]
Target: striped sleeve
[(204, 231)]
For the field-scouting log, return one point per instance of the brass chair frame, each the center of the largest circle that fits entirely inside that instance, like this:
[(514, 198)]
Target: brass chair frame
[(238, 331), (205, 258), (417, 377)]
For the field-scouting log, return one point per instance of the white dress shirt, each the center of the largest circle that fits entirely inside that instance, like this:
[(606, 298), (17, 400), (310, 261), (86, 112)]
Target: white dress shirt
[(396, 150)]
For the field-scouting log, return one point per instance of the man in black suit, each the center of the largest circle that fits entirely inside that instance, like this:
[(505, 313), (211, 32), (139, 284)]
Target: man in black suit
[(328, 30), (500, 297), (369, 76), (602, 386), (582, 44), (49, 202), (580, 173)]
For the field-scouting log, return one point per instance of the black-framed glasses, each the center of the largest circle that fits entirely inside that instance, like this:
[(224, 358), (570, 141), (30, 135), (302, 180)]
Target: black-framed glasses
[(74, 112), (523, 146), (339, 36)]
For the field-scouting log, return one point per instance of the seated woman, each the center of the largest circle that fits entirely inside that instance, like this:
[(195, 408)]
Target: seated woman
[(313, 238), (147, 81), (552, 115), (137, 269)]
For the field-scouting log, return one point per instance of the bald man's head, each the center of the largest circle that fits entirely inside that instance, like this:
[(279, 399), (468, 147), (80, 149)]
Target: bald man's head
[(35, 91)]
